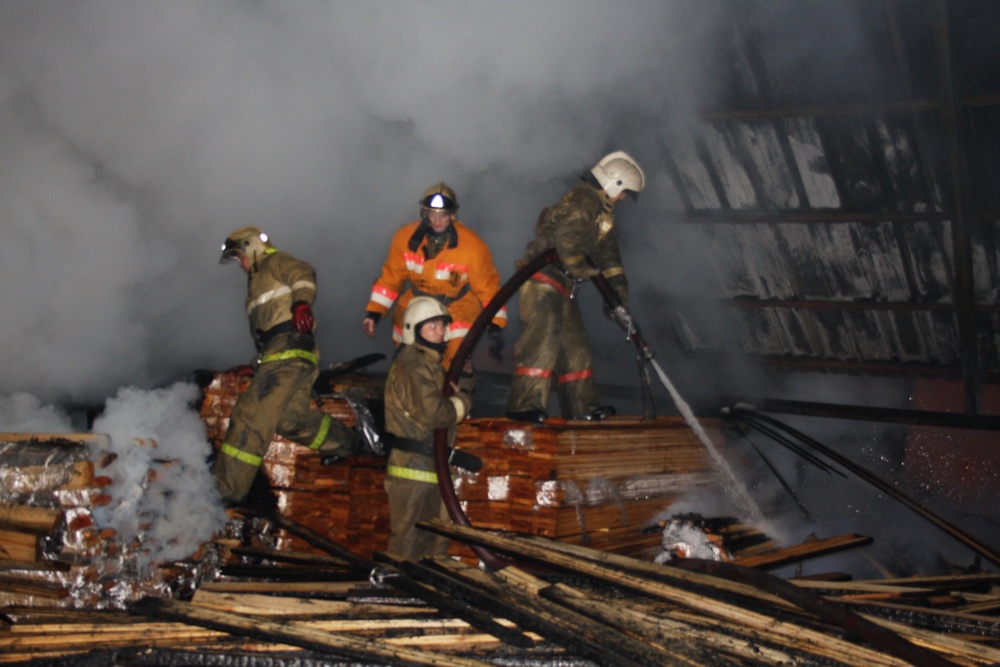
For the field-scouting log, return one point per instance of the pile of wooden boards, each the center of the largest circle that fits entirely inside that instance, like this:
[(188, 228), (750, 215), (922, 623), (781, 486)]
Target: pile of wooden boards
[(553, 603), (345, 501), (600, 484), (23, 531)]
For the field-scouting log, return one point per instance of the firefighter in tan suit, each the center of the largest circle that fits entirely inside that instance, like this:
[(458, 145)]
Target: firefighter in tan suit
[(280, 293), (415, 406), (553, 343)]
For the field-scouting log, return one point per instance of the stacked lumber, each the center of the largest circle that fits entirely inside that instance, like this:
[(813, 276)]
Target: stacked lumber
[(23, 530), (220, 391), (581, 607), (600, 484), (345, 502)]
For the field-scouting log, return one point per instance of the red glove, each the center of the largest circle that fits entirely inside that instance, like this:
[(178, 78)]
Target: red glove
[(302, 317)]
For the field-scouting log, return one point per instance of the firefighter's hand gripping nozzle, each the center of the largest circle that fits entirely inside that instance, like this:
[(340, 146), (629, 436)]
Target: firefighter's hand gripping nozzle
[(624, 319), (620, 314)]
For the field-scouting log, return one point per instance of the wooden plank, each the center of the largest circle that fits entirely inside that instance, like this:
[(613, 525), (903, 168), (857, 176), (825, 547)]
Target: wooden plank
[(451, 597), (272, 605), (304, 589), (42, 566), (768, 625), (608, 646), (18, 545), (806, 550), (296, 635), (26, 518), (297, 558), (57, 439), (674, 637)]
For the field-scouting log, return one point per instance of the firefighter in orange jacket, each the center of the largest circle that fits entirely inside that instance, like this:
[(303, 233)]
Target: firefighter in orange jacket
[(438, 256)]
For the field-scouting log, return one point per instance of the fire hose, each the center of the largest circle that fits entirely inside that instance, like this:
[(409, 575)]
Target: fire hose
[(445, 483)]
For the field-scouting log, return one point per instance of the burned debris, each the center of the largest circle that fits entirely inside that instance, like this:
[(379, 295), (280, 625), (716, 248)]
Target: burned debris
[(589, 566)]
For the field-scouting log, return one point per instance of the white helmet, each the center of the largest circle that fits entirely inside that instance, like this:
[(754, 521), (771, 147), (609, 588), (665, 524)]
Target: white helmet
[(617, 172), (247, 240), (419, 310)]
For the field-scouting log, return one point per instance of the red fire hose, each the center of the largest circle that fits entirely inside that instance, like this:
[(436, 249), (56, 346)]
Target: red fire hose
[(445, 484)]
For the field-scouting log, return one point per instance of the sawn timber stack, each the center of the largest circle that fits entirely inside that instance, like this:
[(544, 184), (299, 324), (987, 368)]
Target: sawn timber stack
[(599, 484), (589, 483)]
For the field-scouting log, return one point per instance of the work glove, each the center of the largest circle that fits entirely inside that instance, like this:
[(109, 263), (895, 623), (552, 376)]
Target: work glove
[(302, 317), (621, 316), (622, 304), (497, 342)]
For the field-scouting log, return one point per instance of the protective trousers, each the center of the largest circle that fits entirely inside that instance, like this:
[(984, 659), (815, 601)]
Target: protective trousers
[(278, 400), (411, 484), (552, 345)]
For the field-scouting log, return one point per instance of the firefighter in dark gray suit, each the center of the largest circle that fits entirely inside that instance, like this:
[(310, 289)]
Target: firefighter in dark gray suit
[(553, 342)]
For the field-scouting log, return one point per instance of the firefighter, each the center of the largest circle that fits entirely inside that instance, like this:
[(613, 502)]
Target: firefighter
[(280, 293), (440, 257), (553, 343), (415, 406)]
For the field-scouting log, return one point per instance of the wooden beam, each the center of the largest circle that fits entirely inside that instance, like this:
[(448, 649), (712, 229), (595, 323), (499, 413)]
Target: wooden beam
[(297, 635), (768, 624), (800, 552)]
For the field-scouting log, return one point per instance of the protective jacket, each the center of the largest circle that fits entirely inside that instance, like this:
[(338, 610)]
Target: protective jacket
[(462, 275), (279, 397), (553, 344), (415, 407), (580, 226), (278, 281)]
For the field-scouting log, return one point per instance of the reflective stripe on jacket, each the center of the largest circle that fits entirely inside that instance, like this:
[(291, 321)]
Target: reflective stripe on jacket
[(465, 273), (277, 281), (581, 225)]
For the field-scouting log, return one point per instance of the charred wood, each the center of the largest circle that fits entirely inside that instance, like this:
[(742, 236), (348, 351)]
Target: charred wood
[(296, 635), (454, 597)]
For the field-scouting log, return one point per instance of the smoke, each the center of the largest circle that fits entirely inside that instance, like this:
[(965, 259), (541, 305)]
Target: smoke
[(137, 135), (164, 499), (24, 413)]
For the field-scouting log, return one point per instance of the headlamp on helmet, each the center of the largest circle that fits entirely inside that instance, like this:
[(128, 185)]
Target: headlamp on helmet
[(439, 198), (249, 241)]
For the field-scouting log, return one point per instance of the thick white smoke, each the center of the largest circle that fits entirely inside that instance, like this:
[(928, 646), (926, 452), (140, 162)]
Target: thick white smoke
[(163, 496), (163, 500), (137, 135), (24, 413)]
